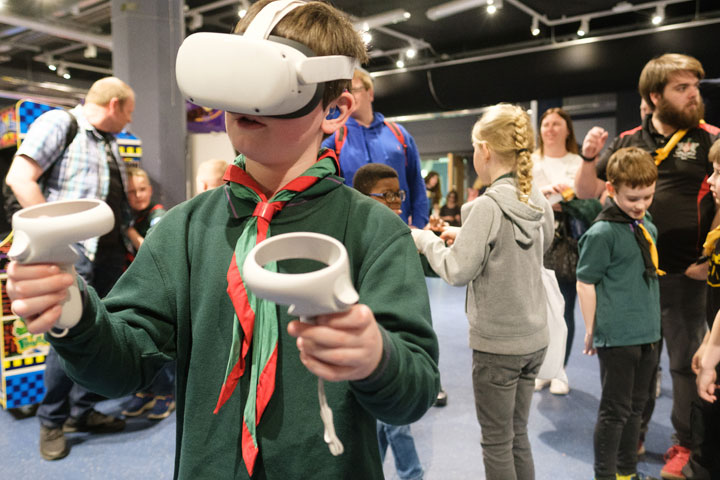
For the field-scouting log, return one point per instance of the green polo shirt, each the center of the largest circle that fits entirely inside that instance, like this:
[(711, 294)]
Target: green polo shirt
[(628, 303)]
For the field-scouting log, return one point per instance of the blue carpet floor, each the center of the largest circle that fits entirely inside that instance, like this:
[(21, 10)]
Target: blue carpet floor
[(447, 438)]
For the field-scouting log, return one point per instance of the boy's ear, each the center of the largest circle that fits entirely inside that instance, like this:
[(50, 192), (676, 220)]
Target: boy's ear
[(610, 189), (344, 105)]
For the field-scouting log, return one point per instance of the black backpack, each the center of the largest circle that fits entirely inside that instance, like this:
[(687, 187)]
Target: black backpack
[(10, 203)]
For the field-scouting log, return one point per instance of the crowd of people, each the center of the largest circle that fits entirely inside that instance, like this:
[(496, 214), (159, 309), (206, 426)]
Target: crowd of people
[(629, 229)]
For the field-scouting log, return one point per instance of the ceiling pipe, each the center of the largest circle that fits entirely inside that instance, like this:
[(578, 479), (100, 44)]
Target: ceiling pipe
[(104, 41), (622, 7), (545, 47)]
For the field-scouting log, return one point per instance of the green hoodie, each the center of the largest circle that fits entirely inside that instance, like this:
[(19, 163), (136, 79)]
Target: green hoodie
[(172, 304)]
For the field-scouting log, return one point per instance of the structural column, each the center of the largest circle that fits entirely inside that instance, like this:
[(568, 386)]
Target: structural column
[(146, 36)]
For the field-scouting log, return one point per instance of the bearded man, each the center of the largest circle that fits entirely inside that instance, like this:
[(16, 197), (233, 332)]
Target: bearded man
[(683, 211)]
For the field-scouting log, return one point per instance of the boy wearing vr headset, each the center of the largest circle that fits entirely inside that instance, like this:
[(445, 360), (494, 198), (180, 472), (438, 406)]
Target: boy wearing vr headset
[(246, 398)]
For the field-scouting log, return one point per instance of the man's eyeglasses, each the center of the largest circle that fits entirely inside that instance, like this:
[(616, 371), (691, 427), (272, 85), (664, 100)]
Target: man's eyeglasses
[(358, 89), (390, 196)]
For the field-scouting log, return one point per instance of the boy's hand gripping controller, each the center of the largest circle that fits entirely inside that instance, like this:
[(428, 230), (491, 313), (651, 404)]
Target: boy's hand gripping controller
[(328, 290), (44, 234)]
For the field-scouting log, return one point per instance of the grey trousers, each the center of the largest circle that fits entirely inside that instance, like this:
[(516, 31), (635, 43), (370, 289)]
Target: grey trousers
[(503, 387), (682, 304)]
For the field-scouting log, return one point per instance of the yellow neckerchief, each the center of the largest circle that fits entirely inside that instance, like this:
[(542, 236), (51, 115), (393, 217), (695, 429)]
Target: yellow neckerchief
[(710, 241), (662, 153), (653, 248)]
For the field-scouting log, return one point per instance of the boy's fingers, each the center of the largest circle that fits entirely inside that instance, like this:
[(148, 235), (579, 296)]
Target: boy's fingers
[(37, 305), (43, 322)]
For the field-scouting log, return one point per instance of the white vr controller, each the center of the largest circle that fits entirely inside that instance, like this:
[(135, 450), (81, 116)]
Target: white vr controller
[(328, 290), (45, 234)]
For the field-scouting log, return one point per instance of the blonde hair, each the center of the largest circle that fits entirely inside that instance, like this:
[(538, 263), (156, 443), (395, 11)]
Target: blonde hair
[(714, 153), (656, 73), (508, 132), (323, 29), (364, 77), (105, 89), (137, 172)]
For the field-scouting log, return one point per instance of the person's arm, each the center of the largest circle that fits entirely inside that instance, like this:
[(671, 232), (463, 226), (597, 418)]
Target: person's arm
[(135, 238), (588, 302), (22, 179), (707, 376), (416, 184), (587, 183), (461, 262)]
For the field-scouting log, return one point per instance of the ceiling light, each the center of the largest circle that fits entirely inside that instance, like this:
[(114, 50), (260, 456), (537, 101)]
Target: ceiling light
[(382, 19), (242, 11), (584, 27), (366, 37), (51, 64), (451, 8), (493, 6), (90, 51), (659, 15), (62, 71), (535, 27), (196, 20), (400, 63), (410, 52)]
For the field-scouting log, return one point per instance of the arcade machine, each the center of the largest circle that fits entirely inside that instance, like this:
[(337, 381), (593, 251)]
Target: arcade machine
[(22, 357)]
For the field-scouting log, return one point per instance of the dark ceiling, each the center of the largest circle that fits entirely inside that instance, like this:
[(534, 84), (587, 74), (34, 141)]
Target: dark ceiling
[(33, 32)]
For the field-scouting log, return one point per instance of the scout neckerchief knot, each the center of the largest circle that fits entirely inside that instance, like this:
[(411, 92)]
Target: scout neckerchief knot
[(256, 319), (662, 153), (612, 213)]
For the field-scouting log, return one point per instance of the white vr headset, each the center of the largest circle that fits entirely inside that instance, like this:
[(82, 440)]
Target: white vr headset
[(254, 73)]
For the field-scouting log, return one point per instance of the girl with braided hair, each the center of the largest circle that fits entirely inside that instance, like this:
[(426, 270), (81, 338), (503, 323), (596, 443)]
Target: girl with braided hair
[(498, 254)]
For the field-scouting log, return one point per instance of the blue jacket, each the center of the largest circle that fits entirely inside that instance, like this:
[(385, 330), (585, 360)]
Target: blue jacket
[(378, 144)]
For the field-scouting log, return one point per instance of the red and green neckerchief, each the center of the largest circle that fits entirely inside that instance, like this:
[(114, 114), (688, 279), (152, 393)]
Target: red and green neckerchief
[(256, 322)]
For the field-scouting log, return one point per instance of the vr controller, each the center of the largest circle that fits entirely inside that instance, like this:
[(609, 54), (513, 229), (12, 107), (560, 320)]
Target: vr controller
[(44, 234), (323, 291), (327, 290)]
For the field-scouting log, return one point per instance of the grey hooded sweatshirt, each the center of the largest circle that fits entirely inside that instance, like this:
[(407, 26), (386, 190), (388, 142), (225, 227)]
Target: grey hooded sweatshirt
[(498, 254)]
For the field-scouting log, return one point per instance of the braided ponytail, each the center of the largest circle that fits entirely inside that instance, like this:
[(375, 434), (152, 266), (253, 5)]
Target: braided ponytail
[(507, 130), (524, 143)]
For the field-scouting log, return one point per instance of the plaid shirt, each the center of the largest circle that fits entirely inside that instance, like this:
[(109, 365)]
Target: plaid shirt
[(82, 170)]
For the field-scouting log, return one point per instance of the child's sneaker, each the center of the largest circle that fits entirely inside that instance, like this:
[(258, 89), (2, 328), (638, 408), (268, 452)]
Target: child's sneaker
[(164, 406), (676, 458), (140, 403)]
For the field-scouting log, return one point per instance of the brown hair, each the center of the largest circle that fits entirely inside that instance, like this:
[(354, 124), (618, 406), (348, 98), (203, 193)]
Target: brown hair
[(632, 167), (320, 27), (714, 153), (656, 73), (570, 142), (368, 175), (105, 89), (508, 132)]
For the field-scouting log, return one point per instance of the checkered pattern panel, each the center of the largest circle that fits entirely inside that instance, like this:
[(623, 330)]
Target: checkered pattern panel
[(24, 389), (28, 112)]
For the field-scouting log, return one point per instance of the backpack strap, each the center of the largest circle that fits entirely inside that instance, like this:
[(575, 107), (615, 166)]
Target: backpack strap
[(400, 137), (71, 132), (340, 137)]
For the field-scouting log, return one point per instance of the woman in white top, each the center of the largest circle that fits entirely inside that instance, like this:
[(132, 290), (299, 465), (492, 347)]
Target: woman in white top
[(554, 166)]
